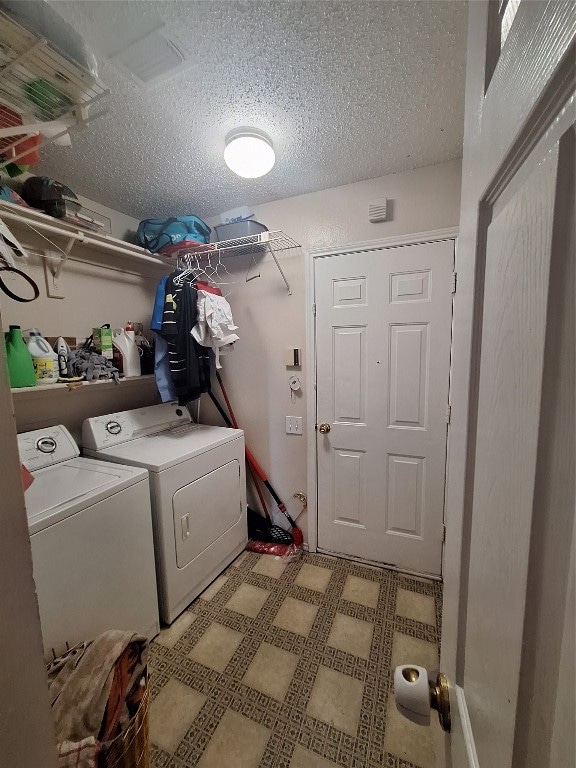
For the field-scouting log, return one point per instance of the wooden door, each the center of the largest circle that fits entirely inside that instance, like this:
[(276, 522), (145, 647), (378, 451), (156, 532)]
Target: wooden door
[(383, 327), (508, 628)]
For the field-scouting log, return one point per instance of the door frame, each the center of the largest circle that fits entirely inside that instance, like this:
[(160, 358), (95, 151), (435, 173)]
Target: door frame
[(310, 256)]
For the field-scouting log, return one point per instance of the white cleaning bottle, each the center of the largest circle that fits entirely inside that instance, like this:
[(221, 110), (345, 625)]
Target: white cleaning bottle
[(129, 351), (45, 360)]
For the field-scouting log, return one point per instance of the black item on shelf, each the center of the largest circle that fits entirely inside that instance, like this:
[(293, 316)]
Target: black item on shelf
[(50, 196)]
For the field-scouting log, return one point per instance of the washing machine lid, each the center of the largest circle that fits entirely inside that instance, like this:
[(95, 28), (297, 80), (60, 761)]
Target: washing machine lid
[(66, 488), (168, 448)]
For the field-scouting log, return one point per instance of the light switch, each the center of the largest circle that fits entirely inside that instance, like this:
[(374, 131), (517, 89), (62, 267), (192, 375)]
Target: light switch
[(292, 357), (293, 425)]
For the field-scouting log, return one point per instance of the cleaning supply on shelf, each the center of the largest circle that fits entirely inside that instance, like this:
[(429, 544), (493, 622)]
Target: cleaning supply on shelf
[(131, 333), (44, 359), (20, 365), (102, 338), (123, 340)]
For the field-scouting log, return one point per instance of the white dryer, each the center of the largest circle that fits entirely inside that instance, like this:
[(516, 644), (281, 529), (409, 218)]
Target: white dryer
[(198, 492), (92, 547)]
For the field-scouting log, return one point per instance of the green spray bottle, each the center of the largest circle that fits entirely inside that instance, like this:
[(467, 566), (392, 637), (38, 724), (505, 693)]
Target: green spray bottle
[(20, 366)]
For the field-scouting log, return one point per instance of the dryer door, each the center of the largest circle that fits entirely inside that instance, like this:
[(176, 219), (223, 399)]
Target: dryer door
[(204, 510)]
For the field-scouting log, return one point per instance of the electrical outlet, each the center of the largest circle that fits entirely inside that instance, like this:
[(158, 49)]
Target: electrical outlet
[(293, 425)]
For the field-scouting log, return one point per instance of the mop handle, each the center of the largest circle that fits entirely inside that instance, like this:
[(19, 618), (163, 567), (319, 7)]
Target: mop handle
[(252, 461)]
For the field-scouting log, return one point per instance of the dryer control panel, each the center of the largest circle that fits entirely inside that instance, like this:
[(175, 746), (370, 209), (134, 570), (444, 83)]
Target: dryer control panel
[(45, 447), (115, 428)]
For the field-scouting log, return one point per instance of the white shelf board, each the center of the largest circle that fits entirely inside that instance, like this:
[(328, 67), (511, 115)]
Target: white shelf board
[(45, 390), (49, 227)]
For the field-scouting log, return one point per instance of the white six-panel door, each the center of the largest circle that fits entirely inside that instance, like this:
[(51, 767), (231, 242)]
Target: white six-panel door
[(383, 330)]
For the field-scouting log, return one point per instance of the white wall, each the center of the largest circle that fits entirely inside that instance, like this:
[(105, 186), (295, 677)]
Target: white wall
[(269, 320)]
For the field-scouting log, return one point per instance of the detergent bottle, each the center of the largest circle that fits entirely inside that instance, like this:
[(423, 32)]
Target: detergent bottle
[(125, 344), (20, 366), (44, 358)]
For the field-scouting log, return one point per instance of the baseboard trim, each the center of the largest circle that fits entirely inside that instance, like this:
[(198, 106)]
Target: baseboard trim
[(374, 564)]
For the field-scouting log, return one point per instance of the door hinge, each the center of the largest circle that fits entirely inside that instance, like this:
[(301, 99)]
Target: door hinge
[(454, 281), (443, 534), (314, 309), (448, 413)]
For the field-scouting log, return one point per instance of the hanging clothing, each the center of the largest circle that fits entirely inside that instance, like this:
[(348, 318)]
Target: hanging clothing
[(189, 361), (159, 299), (215, 326), (162, 373)]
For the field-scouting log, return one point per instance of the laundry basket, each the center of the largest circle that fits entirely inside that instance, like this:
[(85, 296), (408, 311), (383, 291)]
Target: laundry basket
[(131, 749)]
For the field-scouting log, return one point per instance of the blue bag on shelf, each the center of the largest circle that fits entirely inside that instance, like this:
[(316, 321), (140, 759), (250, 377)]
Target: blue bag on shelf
[(155, 234)]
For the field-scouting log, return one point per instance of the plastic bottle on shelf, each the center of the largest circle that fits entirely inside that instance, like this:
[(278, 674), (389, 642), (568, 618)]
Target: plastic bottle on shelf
[(130, 332), (20, 365), (44, 358), (125, 343)]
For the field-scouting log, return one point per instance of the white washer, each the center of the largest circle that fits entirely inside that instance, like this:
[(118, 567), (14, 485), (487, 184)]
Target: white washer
[(198, 491), (92, 547)]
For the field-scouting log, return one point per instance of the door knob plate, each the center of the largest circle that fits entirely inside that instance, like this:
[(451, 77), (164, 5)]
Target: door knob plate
[(440, 700), (416, 694)]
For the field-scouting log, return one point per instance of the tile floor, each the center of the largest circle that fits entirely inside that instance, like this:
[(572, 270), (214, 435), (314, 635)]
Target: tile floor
[(289, 666)]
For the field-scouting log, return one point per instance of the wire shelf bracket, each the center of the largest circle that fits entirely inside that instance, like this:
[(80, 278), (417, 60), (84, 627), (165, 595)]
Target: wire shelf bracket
[(51, 95)]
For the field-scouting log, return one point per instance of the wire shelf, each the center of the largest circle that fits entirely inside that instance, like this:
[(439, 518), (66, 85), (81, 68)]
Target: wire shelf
[(264, 242), (41, 92)]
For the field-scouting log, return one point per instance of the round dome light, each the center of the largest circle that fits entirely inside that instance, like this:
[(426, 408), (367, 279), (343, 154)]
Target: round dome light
[(249, 153)]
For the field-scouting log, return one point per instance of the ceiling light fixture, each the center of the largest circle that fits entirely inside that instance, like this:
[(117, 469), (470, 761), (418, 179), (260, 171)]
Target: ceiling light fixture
[(249, 153)]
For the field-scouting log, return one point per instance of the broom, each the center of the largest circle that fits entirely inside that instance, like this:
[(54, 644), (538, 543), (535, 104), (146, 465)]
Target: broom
[(281, 547)]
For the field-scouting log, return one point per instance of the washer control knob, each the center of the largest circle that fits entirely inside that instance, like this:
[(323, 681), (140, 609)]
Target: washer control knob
[(46, 444), (113, 427)]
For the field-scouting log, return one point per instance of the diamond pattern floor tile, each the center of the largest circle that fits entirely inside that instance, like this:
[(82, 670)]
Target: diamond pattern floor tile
[(216, 647), (296, 616), (289, 665), (237, 742), (336, 699), (172, 712), (360, 590), (248, 600), (271, 671), (351, 635)]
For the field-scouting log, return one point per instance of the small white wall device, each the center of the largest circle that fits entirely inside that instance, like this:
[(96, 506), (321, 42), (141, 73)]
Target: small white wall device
[(292, 357)]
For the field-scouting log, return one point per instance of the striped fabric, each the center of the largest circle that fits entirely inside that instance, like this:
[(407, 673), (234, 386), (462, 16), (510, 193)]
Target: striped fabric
[(78, 754)]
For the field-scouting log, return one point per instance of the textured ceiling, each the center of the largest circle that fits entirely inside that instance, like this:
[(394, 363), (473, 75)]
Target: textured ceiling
[(346, 90)]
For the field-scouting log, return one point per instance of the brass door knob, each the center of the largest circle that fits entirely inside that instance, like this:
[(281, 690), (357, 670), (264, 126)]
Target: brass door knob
[(324, 429), (416, 694)]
